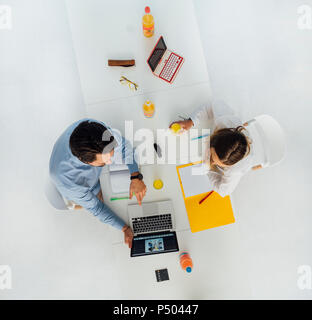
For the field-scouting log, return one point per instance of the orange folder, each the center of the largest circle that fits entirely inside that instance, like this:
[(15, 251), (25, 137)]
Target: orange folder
[(215, 211)]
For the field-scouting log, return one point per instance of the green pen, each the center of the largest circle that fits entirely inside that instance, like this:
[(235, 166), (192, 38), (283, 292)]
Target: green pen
[(121, 198)]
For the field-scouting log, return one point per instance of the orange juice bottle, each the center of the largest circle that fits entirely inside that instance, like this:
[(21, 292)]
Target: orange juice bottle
[(148, 108), (148, 23), (186, 262)]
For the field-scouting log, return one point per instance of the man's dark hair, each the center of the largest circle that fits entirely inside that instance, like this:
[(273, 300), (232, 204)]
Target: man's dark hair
[(86, 141)]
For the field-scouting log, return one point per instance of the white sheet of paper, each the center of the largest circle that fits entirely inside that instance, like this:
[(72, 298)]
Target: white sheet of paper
[(194, 180), (117, 167), (119, 179)]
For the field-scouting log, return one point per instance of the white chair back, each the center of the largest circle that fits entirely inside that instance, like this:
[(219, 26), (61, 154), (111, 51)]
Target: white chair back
[(268, 139), (54, 196)]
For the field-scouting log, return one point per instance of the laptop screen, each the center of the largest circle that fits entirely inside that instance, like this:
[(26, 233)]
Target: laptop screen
[(153, 243), (157, 54)]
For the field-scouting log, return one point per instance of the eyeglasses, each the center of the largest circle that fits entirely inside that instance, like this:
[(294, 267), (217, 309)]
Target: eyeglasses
[(132, 86)]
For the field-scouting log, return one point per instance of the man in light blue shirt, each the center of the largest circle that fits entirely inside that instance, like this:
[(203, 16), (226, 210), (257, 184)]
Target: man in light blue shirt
[(76, 163)]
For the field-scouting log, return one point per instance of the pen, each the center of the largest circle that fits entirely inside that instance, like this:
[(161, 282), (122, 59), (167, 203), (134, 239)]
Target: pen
[(203, 199), (157, 149), (203, 136), (121, 198)]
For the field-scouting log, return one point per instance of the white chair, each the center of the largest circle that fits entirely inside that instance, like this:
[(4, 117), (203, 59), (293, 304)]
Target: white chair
[(268, 140), (54, 196)]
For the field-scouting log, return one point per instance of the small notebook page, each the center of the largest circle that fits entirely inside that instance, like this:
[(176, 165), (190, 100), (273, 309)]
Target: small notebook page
[(119, 178), (117, 167), (195, 180)]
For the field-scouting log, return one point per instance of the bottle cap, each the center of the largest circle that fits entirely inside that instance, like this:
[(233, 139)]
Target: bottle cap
[(147, 10), (188, 269)]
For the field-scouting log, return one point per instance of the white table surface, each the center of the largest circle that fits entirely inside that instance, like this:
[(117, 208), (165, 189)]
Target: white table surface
[(214, 252), (99, 36), (103, 30), (136, 275), (169, 105)]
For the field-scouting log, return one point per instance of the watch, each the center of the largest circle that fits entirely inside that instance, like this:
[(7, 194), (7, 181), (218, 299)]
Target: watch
[(138, 176)]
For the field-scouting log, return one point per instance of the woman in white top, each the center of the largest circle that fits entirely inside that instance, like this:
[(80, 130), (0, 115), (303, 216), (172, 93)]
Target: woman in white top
[(230, 154)]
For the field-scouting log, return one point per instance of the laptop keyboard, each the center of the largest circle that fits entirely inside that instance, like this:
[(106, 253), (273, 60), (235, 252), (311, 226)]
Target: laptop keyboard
[(152, 223), (170, 67)]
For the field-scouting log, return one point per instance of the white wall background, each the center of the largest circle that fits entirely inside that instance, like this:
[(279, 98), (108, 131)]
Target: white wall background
[(258, 61)]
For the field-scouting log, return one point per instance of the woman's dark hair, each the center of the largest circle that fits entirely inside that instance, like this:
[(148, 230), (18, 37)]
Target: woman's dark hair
[(87, 140), (230, 145)]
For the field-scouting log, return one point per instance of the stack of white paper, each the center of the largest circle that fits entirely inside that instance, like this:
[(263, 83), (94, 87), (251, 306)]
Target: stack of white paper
[(194, 180), (119, 178)]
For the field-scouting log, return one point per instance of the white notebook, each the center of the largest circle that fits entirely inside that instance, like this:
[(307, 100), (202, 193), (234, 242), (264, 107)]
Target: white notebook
[(119, 178), (195, 180)]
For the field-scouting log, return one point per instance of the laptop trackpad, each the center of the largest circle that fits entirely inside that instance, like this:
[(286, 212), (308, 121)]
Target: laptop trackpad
[(150, 209), (146, 209)]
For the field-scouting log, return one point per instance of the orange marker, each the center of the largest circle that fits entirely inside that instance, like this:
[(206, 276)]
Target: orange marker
[(203, 199)]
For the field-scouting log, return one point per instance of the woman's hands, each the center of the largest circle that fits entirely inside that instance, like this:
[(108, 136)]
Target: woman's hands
[(185, 125)]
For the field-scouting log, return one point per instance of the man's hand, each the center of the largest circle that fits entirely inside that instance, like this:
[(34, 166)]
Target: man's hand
[(128, 235), (137, 187), (100, 195)]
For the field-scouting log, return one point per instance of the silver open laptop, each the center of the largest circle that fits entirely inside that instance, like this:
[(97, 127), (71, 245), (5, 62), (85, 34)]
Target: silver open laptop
[(153, 225), (151, 217)]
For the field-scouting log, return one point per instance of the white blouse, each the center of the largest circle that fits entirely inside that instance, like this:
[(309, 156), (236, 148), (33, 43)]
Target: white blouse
[(216, 116)]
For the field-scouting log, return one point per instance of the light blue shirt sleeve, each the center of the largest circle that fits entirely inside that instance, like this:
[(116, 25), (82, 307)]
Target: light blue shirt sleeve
[(88, 200), (128, 155)]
